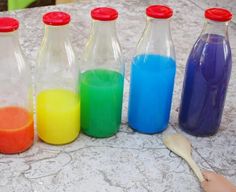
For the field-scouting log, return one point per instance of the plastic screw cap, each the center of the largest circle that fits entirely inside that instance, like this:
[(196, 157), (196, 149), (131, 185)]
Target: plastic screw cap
[(8, 24), (159, 11), (218, 14), (56, 18), (104, 14)]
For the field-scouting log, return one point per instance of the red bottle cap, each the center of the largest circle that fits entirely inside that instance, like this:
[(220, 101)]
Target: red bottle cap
[(218, 14), (159, 11), (56, 18), (104, 14), (8, 24)]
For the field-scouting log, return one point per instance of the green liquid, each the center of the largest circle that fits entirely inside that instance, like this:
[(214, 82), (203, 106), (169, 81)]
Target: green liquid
[(101, 102)]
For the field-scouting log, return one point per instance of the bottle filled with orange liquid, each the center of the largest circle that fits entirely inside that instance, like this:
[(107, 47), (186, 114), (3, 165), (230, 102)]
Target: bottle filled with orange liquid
[(57, 100), (16, 118)]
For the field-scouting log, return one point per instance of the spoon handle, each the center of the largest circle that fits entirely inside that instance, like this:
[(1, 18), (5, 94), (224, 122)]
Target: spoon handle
[(195, 169)]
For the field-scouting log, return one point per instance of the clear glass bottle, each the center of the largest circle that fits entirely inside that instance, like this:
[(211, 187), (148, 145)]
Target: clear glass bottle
[(57, 102), (102, 76), (152, 74), (207, 76), (16, 116)]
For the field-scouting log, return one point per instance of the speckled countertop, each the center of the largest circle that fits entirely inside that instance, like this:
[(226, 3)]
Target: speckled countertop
[(129, 161)]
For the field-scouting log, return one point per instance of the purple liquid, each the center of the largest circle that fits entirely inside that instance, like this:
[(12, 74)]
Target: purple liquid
[(205, 85)]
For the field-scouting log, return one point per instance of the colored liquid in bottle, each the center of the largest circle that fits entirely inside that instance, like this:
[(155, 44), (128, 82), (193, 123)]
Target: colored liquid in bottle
[(101, 102), (151, 89), (206, 80), (16, 130), (58, 116)]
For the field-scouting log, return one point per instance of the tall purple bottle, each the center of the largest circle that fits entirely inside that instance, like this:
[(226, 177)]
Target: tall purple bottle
[(207, 76)]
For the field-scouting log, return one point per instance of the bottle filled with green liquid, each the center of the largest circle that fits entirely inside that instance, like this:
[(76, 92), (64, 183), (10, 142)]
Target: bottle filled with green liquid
[(102, 77)]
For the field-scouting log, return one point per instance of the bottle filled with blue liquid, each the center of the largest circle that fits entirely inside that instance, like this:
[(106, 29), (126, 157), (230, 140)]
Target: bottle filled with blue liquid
[(152, 74), (207, 76)]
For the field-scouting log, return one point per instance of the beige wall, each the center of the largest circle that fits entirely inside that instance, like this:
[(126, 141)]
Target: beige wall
[(65, 1)]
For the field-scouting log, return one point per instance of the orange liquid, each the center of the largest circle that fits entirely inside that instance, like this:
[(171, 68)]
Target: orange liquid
[(16, 130)]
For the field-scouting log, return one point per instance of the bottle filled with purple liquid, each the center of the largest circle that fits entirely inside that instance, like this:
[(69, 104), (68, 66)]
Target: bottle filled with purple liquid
[(207, 76)]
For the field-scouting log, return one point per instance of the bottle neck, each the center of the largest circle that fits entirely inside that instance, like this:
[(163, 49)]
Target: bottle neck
[(56, 34), (217, 28), (158, 27), (156, 38), (9, 41), (103, 29), (103, 49)]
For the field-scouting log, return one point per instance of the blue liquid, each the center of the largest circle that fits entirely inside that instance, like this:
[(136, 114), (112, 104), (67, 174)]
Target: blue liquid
[(206, 80), (151, 89)]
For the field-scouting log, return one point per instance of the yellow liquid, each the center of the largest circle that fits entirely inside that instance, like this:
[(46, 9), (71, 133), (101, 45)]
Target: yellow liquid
[(58, 116)]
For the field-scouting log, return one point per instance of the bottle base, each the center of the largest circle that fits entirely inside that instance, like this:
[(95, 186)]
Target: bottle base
[(16, 152), (99, 136), (59, 143), (147, 132), (197, 134)]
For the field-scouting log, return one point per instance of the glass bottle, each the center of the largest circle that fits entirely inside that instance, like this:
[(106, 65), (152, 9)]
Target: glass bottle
[(57, 102), (102, 76), (16, 116), (207, 76), (152, 74)]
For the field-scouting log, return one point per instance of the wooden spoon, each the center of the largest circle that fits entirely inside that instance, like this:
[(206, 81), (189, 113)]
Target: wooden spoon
[(182, 147)]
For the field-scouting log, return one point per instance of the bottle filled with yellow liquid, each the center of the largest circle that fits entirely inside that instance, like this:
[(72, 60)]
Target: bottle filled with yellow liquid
[(57, 100)]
